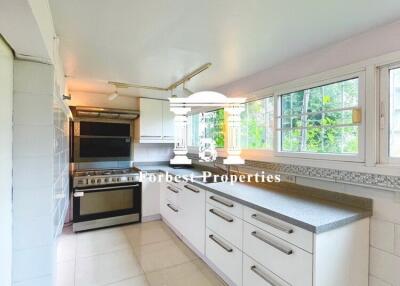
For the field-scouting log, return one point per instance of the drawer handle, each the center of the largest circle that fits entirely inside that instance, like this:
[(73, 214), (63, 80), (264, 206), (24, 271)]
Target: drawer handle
[(272, 223), (217, 213), (220, 243), (192, 189), (263, 276), (172, 208), (229, 205), (281, 248), (172, 190)]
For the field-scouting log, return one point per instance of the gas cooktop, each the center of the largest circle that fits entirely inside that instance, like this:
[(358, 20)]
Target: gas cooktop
[(98, 177)]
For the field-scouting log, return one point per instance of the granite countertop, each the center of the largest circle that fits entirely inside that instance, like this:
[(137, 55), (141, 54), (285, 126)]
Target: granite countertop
[(314, 214)]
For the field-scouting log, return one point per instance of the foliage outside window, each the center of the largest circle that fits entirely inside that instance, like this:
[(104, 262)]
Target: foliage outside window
[(213, 127), (319, 119), (394, 106), (257, 124)]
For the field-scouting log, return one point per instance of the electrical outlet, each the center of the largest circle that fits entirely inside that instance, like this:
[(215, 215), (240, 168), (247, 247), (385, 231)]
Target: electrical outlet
[(288, 178)]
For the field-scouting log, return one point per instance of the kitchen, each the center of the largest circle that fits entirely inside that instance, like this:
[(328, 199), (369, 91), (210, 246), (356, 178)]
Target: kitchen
[(206, 143)]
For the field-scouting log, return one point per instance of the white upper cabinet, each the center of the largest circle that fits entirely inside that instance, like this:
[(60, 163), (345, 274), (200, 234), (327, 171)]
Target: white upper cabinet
[(168, 123), (156, 122)]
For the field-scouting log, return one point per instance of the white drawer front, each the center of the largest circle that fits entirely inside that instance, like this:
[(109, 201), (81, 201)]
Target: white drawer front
[(293, 234), (225, 256), (225, 224), (254, 274), (225, 204), (282, 258), (171, 193), (172, 214)]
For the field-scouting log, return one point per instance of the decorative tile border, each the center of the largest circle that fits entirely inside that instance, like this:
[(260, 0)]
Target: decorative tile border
[(348, 177)]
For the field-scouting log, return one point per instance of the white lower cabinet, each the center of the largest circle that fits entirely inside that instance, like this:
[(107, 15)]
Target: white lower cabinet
[(225, 256), (183, 206), (193, 216), (251, 248), (282, 258), (225, 224), (255, 274), (150, 198)]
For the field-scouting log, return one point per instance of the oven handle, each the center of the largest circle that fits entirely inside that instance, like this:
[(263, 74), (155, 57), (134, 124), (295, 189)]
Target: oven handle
[(106, 188)]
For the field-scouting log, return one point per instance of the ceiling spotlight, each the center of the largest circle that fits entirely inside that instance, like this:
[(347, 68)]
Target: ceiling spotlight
[(113, 95)]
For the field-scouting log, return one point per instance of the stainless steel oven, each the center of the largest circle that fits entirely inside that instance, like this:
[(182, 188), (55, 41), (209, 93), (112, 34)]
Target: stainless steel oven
[(95, 141), (101, 206)]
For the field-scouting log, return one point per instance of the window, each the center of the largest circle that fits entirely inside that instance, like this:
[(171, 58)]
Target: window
[(257, 124), (390, 114), (206, 125), (320, 119), (193, 130), (394, 114)]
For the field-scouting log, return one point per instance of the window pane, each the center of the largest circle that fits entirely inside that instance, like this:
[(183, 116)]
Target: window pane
[(319, 119), (193, 130), (394, 136), (214, 126), (257, 124)]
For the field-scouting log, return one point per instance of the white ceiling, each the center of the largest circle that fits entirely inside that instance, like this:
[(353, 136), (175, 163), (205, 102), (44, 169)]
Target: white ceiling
[(155, 42)]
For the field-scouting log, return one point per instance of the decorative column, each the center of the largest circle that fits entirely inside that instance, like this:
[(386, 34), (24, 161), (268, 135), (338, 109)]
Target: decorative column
[(233, 146), (180, 142)]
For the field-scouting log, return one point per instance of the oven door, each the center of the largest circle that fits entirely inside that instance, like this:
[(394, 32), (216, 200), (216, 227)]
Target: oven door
[(97, 207)]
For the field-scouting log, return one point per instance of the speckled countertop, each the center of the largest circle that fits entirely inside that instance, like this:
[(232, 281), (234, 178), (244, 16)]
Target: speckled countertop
[(310, 213)]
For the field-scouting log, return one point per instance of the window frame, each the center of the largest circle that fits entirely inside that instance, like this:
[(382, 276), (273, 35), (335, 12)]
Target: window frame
[(360, 157), (263, 152), (384, 115), (195, 149)]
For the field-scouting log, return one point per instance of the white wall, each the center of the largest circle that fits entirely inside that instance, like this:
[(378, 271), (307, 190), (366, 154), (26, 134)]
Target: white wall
[(366, 45), (6, 97), (101, 100), (149, 152), (33, 173)]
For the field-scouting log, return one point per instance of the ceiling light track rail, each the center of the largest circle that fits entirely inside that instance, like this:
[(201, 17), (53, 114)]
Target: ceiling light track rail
[(171, 87)]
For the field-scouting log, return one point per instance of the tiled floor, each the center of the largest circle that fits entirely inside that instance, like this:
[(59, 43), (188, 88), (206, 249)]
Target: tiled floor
[(147, 254)]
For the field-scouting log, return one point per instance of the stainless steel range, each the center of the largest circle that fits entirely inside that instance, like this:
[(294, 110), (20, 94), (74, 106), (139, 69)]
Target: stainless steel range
[(103, 198)]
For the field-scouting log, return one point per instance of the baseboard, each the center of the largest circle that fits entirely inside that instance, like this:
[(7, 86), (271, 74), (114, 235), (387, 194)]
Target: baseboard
[(151, 217)]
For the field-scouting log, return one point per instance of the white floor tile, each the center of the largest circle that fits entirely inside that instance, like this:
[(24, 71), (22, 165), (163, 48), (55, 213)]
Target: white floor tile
[(106, 268)]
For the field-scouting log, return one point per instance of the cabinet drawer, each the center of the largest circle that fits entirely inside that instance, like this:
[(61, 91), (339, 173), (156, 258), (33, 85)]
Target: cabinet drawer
[(289, 262), (171, 193), (225, 204), (254, 274), (225, 224), (225, 256), (171, 213), (291, 233)]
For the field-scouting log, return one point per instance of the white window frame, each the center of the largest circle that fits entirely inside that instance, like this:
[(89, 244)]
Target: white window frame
[(384, 114), (195, 149), (257, 154), (360, 157)]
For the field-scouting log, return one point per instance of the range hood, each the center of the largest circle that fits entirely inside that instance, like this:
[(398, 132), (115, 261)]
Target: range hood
[(104, 113)]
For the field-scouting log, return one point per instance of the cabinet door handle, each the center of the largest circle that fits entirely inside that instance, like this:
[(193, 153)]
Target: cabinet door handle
[(227, 204), (219, 214), (272, 223), (263, 276), (275, 245), (172, 208), (192, 189), (220, 243), (172, 190)]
